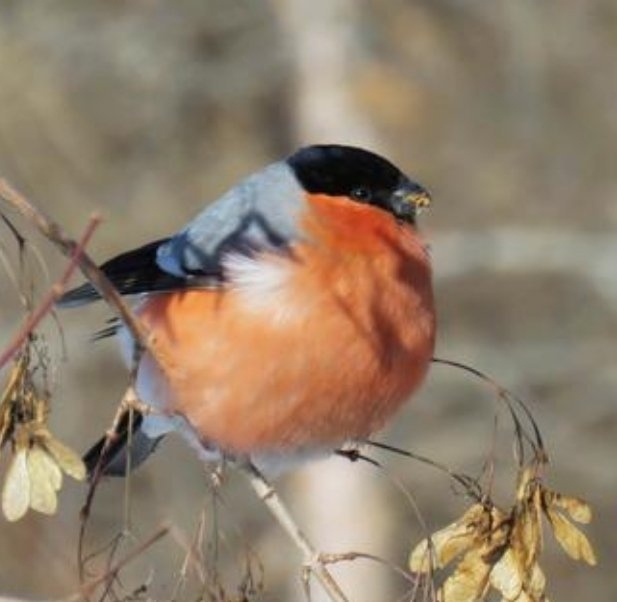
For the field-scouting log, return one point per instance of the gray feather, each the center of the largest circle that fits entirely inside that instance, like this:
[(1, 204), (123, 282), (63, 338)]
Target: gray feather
[(259, 213)]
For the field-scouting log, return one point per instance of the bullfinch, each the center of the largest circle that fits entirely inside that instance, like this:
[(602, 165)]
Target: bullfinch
[(295, 313)]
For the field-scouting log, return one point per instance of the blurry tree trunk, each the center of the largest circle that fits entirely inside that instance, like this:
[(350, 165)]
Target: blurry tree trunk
[(337, 504), (323, 38)]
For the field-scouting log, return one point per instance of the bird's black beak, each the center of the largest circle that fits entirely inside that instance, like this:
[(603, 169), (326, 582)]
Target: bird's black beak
[(409, 200)]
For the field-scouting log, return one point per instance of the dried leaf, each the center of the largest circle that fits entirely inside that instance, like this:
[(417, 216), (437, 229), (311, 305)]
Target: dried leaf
[(507, 576), (573, 541), (447, 543), (526, 483), (5, 423), (536, 584), (470, 580), (16, 490), (577, 509), (50, 465), (6, 402), (40, 407), (501, 551), (66, 458), (523, 597), (526, 536), (515, 583), (44, 474)]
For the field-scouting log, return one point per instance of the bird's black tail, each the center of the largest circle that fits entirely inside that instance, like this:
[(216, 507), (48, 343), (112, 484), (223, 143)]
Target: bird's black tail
[(115, 458)]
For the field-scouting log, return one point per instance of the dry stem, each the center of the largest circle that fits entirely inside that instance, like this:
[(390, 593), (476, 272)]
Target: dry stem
[(54, 232), (88, 588), (51, 297), (312, 559)]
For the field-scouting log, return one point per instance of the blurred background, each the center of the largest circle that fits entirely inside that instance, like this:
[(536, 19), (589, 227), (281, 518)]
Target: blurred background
[(505, 110)]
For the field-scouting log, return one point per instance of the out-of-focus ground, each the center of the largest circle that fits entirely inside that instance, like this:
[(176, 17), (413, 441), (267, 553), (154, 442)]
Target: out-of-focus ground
[(506, 110)]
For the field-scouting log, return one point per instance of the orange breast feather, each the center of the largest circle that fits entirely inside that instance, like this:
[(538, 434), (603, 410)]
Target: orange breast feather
[(343, 339)]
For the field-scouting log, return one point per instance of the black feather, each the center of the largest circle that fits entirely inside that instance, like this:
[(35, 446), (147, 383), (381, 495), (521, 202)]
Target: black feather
[(114, 461), (108, 331), (131, 273)]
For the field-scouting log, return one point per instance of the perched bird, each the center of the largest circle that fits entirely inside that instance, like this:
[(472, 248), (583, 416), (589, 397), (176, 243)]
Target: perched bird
[(295, 313)]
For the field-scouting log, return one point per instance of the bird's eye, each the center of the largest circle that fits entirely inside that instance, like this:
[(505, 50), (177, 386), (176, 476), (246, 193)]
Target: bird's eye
[(362, 194)]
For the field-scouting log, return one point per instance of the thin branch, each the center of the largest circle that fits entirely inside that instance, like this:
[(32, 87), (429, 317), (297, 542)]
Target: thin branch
[(192, 557), (79, 257), (54, 232), (352, 556), (129, 402), (470, 485), (312, 559), (88, 588), (52, 296), (509, 399)]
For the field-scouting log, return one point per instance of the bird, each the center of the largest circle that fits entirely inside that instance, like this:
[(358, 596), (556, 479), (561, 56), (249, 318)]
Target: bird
[(295, 312)]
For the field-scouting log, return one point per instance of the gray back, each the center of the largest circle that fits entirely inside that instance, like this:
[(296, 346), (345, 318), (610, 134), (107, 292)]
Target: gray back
[(259, 213)]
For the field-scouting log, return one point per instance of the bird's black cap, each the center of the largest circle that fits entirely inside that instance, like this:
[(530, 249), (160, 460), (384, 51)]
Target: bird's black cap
[(359, 174)]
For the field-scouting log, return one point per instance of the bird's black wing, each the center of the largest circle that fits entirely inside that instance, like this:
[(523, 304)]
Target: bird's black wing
[(132, 273)]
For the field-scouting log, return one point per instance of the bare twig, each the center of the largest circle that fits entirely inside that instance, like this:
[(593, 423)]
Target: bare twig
[(79, 257), (470, 485), (129, 403), (510, 400), (312, 559), (353, 556), (112, 573), (51, 297), (54, 232), (192, 558)]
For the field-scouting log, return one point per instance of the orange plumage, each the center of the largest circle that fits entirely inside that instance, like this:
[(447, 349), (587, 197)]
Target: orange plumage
[(351, 338)]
